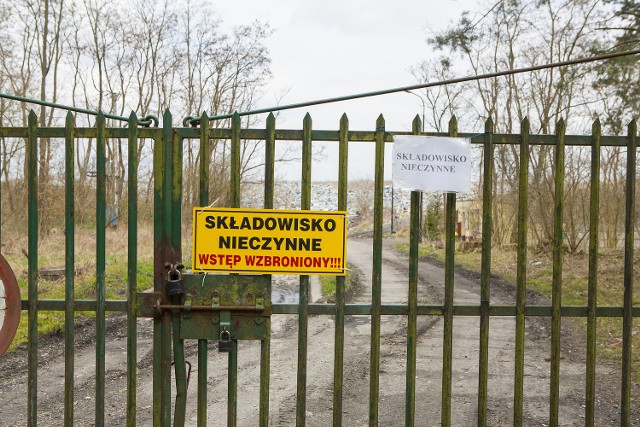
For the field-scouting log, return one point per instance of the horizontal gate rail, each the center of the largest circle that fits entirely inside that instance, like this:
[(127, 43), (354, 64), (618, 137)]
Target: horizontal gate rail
[(365, 309), (316, 135), (168, 145)]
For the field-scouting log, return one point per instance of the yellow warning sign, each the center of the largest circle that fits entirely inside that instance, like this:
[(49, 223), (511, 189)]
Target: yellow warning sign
[(269, 241)]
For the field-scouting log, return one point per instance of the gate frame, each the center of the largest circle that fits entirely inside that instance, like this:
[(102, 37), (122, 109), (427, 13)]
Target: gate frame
[(167, 166)]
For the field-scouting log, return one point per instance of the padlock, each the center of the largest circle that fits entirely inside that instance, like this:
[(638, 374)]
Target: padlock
[(175, 282), (224, 344)]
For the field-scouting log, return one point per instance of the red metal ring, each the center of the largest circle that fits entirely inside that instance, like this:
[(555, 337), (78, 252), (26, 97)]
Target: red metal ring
[(13, 305)]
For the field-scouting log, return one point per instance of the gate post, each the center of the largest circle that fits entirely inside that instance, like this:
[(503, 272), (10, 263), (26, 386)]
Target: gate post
[(167, 176)]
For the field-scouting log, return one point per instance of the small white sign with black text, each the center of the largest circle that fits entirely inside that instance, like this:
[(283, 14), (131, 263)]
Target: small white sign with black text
[(431, 163)]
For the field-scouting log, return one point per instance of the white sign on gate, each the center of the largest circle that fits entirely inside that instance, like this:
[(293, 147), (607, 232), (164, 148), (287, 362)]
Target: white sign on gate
[(430, 163)]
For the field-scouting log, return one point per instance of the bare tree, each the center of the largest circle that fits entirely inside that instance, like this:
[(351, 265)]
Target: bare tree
[(124, 58), (221, 74), (514, 34), (442, 101)]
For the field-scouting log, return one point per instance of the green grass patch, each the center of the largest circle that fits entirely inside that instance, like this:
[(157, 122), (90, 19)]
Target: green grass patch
[(328, 284), (116, 285)]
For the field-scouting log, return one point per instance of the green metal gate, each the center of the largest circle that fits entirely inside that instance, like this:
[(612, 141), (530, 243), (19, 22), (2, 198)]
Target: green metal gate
[(169, 314)]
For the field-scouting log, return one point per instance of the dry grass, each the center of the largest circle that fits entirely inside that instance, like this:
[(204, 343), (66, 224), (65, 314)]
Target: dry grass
[(51, 253), (51, 248)]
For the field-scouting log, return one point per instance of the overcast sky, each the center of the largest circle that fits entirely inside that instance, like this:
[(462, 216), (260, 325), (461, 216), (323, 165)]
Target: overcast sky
[(331, 48)]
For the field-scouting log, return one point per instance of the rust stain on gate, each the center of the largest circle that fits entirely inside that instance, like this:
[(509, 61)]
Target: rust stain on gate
[(235, 303)]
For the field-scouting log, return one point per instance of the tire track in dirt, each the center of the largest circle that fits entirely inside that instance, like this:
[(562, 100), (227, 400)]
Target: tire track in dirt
[(501, 359)]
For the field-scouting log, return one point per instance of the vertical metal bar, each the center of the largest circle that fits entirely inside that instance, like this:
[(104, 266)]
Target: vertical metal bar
[(101, 225), (180, 367), (205, 159), (32, 214), (235, 161), (180, 372), (158, 219), (629, 234), (232, 385), (203, 350), (165, 352), (485, 273), (521, 272), (556, 292), (447, 344), (592, 302), (376, 274), (166, 255), (338, 356), (163, 251), (159, 241), (132, 270), (303, 310), (265, 345), (412, 336), (232, 403), (158, 262), (176, 197), (176, 248), (69, 271), (412, 319), (269, 161)]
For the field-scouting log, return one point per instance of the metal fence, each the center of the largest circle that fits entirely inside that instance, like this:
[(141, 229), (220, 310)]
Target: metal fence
[(167, 171)]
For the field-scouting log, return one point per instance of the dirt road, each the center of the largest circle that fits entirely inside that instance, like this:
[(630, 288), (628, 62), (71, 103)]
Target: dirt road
[(320, 362)]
